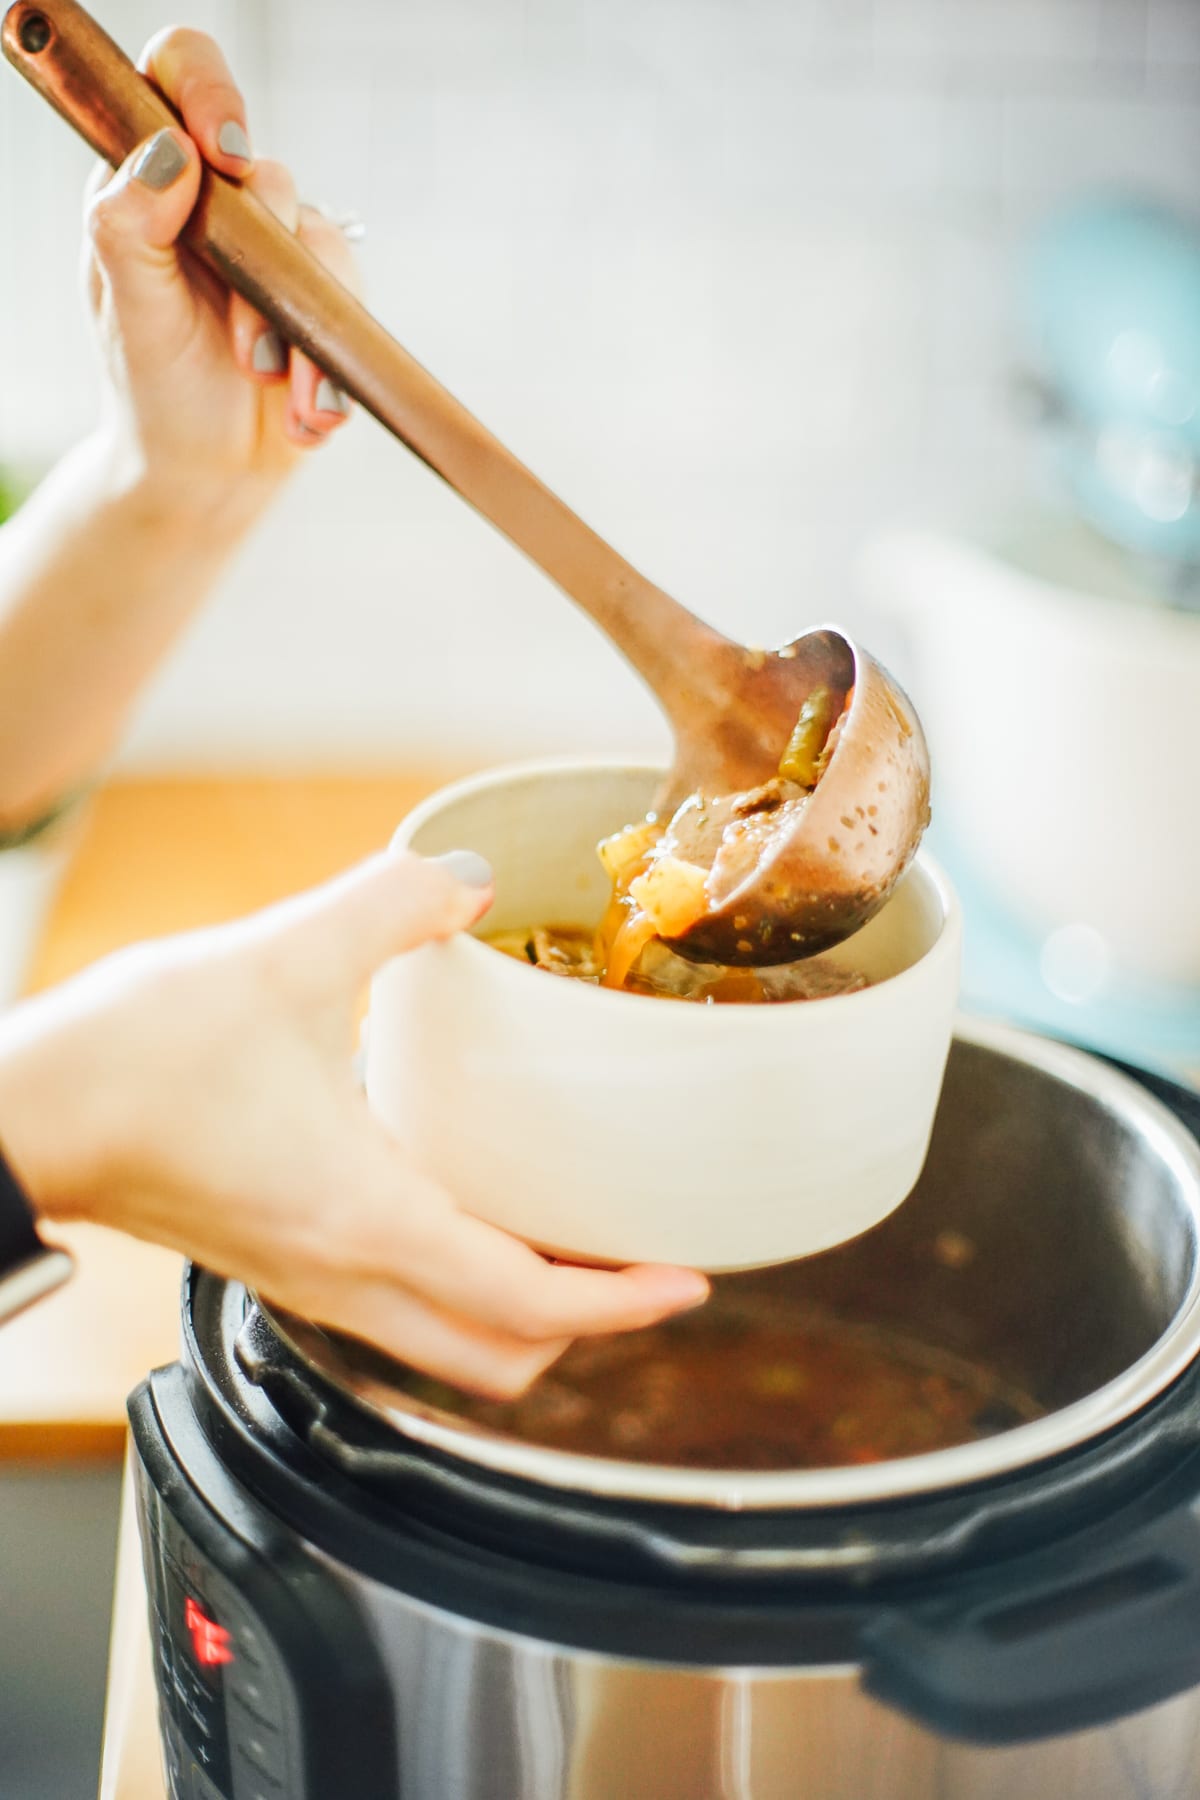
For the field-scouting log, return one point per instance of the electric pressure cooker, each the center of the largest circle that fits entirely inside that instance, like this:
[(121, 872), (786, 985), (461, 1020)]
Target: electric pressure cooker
[(356, 1594)]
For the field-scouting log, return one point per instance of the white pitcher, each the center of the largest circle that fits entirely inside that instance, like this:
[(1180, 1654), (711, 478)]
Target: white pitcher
[(1064, 729)]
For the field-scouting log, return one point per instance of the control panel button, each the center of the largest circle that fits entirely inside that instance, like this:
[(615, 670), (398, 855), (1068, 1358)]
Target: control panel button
[(173, 1751), (250, 1643), (262, 1749), (249, 1688)]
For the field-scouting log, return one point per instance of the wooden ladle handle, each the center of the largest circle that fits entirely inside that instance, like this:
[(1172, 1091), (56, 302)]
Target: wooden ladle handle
[(76, 66)]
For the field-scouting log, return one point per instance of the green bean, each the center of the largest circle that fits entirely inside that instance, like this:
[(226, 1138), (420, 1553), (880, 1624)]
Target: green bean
[(799, 761)]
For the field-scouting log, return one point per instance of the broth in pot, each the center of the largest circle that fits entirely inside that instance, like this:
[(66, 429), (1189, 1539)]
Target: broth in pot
[(743, 1386)]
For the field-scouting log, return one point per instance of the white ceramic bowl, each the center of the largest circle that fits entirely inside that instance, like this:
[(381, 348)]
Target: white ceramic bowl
[(620, 1128)]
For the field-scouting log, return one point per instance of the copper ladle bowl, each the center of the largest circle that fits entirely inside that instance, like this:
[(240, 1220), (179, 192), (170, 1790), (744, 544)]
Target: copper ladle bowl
[(807, 882)]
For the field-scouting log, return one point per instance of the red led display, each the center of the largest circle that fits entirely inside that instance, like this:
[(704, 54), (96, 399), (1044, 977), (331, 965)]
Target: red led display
[(210, 1641)]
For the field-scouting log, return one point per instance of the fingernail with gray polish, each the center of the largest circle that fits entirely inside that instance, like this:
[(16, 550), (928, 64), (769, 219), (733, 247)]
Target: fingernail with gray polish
[(232, 140), (468, 867), (329, 399), (269, 356), (161, 162)]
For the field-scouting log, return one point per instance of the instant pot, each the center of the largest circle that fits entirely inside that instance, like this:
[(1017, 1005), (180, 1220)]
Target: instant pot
[(357, 1592)]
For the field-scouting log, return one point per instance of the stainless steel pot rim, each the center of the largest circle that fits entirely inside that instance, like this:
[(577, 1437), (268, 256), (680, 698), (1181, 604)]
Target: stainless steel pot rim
[(814, 1489)]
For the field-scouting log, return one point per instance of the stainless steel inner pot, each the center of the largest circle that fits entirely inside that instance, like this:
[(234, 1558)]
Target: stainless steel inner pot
[(1053, 1236)]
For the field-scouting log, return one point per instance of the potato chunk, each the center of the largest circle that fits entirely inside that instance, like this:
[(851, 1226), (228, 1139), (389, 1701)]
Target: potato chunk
[(672, 894), (626, 850)]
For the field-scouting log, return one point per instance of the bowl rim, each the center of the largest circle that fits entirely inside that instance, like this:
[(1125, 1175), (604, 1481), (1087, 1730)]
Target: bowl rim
[(946, 944)]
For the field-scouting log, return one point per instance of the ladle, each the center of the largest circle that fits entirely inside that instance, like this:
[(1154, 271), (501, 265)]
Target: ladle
[(830, 863)]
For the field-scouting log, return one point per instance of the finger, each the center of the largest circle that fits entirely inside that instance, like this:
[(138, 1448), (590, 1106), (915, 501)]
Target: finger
[(477, 1271), (495, 1364), (133, 223), (258, 349), (318, 405), (191, 71), (99, 176), (410, 1225), (346, 929)]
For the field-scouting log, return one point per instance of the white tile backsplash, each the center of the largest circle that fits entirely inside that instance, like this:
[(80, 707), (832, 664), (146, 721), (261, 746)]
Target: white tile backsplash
[(1173, 35), (734, 276), (1054, 146)]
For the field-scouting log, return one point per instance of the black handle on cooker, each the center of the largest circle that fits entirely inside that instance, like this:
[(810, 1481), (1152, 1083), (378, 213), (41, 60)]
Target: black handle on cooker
[(1184, 1102), (1078, 1638)]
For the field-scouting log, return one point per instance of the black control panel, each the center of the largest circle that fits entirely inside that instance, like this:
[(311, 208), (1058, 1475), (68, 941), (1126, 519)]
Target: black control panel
[(243, 1625), (228, 1710)]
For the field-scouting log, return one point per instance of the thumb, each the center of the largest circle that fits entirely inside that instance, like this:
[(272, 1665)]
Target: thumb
[(134, 222), (391, 903)]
